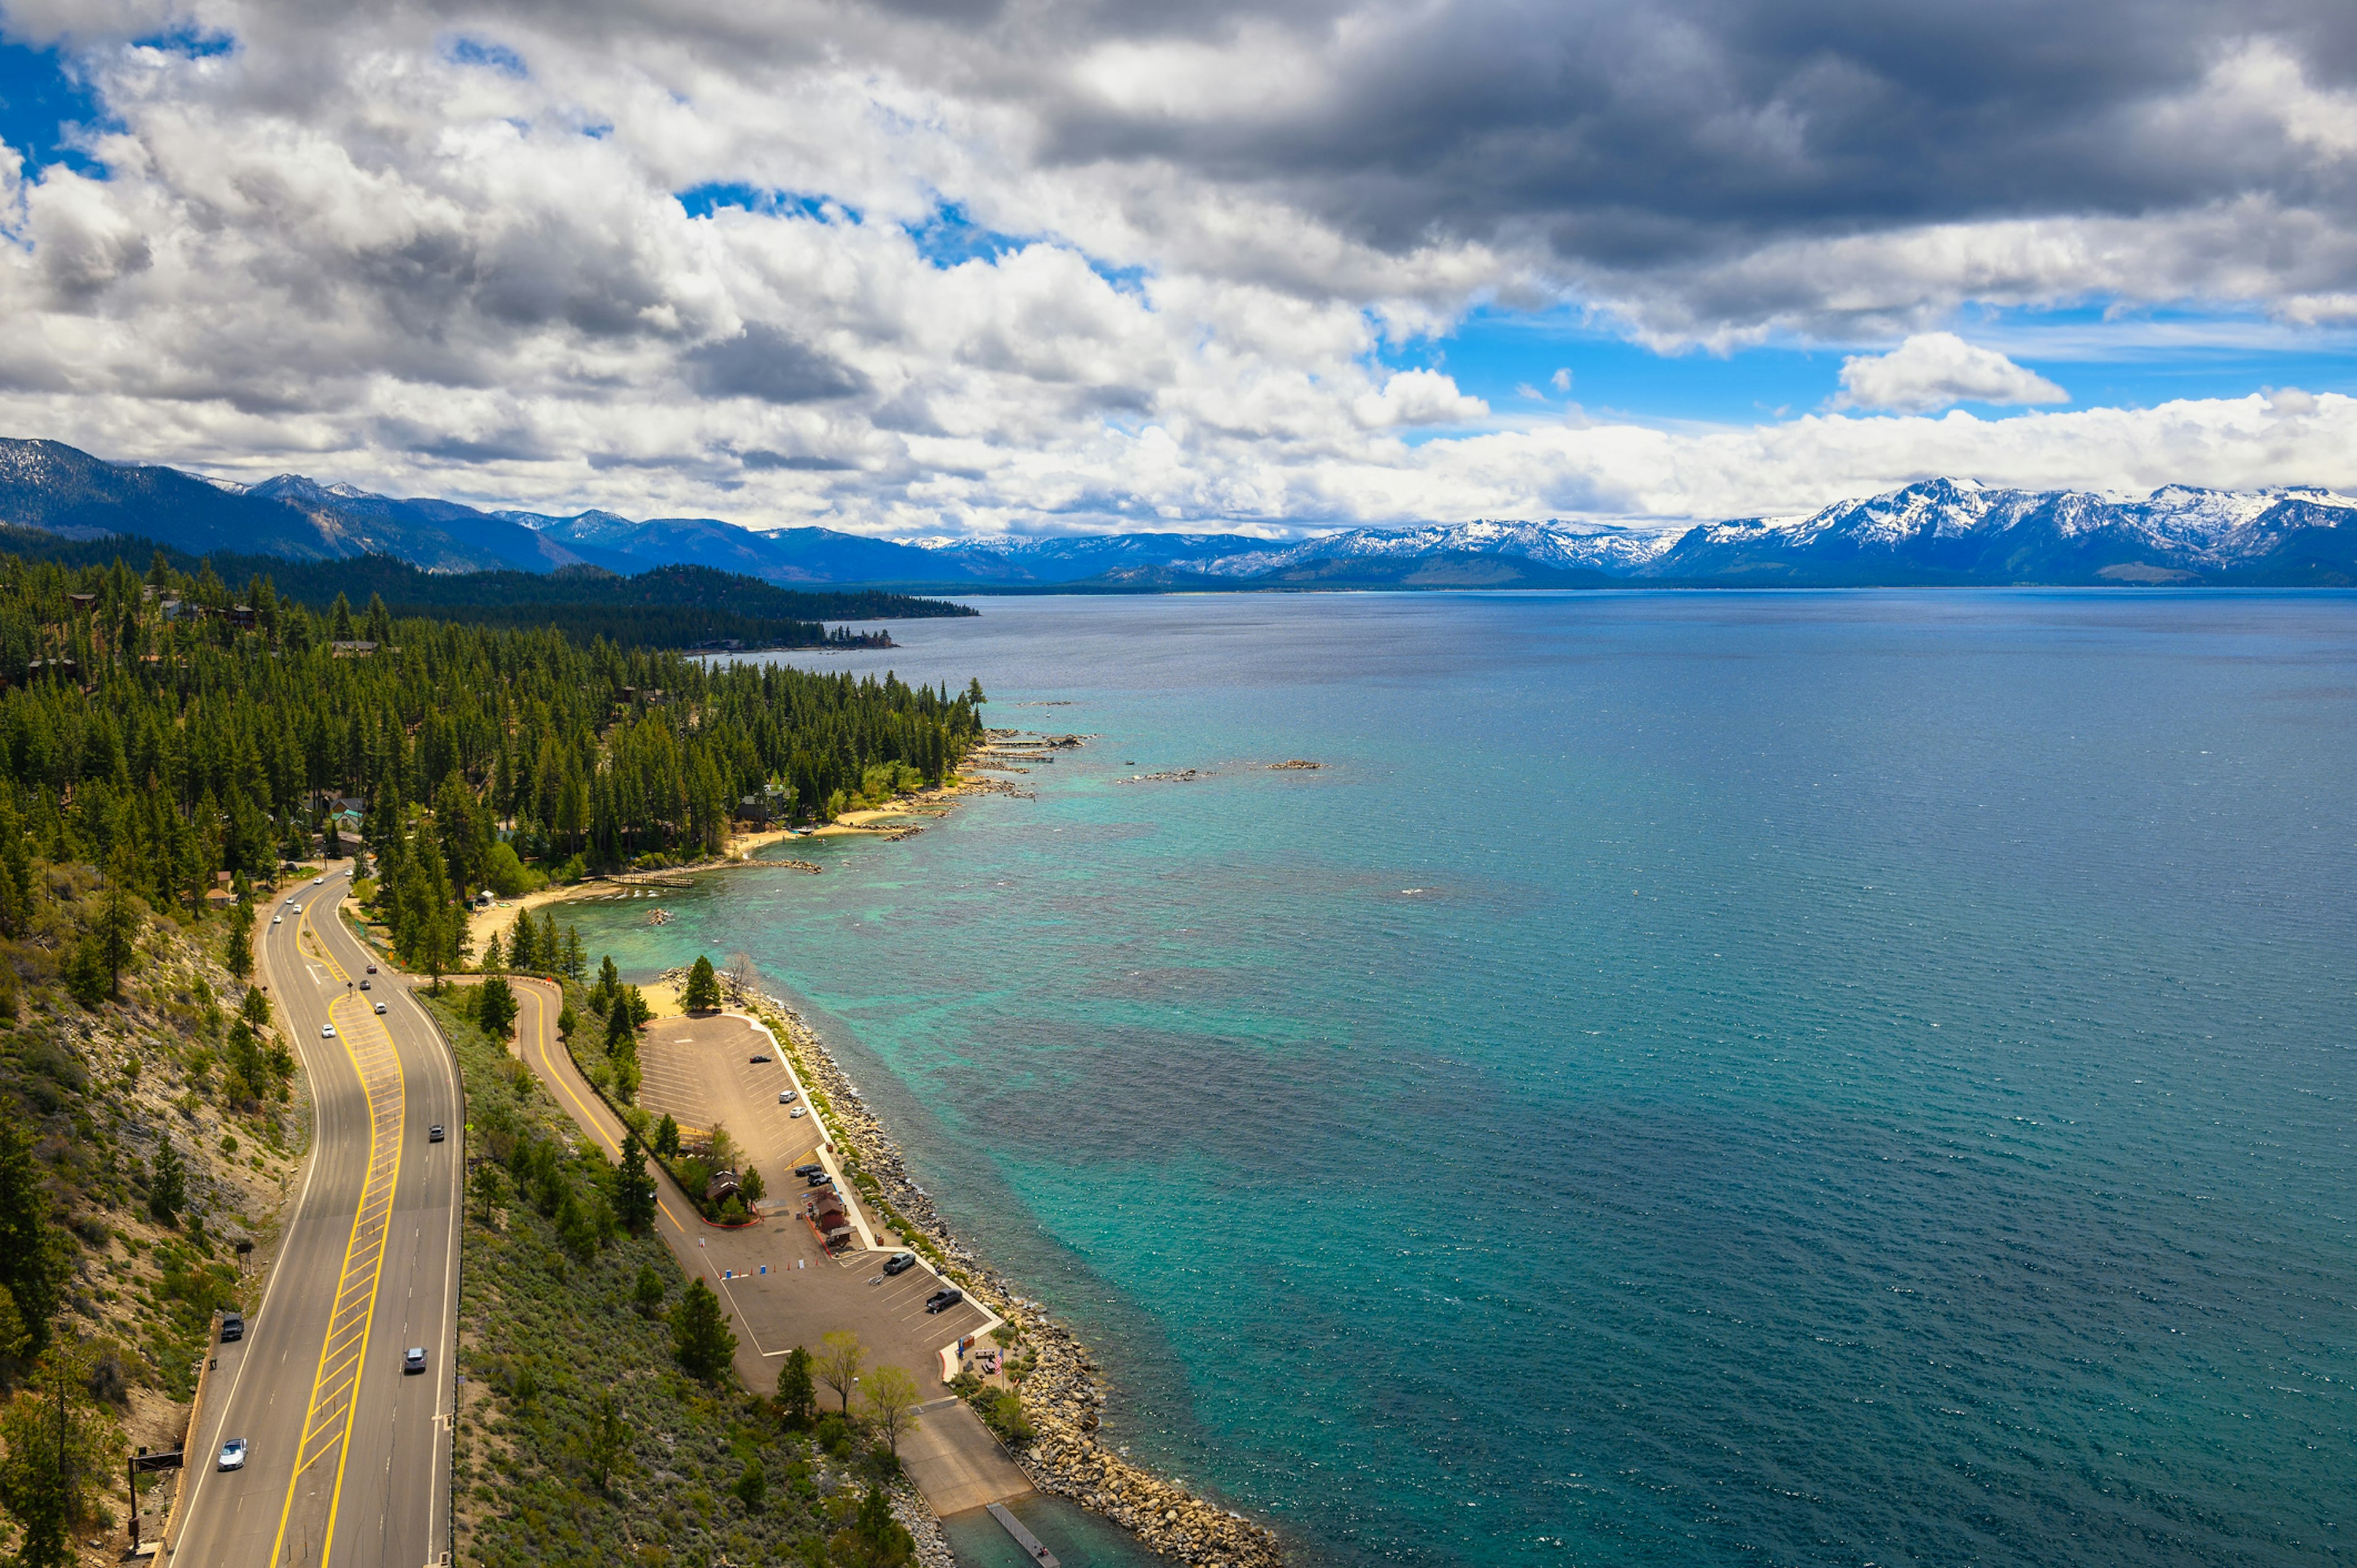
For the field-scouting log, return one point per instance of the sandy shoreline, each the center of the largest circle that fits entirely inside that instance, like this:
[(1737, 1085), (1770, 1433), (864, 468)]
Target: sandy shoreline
[(738, 853)]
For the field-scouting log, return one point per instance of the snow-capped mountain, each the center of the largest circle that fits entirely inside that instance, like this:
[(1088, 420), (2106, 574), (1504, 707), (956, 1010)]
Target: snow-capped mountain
[(1937, 531)]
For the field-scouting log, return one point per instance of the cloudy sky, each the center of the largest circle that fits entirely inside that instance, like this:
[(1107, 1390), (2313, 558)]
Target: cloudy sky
[(929, 266)]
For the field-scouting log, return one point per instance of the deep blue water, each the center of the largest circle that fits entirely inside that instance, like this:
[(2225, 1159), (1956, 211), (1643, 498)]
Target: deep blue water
[(1695, 1079)]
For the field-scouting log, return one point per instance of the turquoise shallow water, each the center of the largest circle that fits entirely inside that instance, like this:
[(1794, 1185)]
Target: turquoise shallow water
[(1809, 1078)]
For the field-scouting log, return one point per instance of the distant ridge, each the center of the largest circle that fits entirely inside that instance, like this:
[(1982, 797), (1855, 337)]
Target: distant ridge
[(1936, 532)]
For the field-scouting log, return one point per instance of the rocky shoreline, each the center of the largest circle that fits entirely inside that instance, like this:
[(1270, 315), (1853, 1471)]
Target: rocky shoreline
[(1064, 1394)]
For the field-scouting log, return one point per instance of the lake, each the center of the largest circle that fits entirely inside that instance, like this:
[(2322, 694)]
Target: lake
[(1812, 1077)]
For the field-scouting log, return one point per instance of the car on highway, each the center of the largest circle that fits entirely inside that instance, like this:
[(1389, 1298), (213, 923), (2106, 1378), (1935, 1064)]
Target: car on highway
[(794, 1114), (413, 1360), (813, 1168), (326, 1031), (899, 1262), (298, 908), (757, 1060), (433, 1133), (233, 1453), (277, 919), (380, 1009), (233, 1327), (365, 984), (317, 880), (371, 969), (944, 1298)]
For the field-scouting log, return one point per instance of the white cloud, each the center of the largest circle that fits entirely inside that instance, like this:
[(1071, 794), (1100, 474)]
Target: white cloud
[(1418, 397), (1935, 370), (339, 248)]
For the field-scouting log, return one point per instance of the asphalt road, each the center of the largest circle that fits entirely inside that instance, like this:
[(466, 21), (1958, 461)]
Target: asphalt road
[(348, 1457)]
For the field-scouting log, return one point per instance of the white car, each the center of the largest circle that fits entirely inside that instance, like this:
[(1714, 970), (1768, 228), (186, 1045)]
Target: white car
[(380, 1009), (233, 1453), (326, 1031), (317, 880), (277, 919), (796, 1112), (298, 908)]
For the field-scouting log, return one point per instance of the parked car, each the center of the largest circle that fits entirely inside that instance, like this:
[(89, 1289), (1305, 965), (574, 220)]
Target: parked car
[(413, 1360), (233, 1453), (380, 1009), (944, 1299), (233, 1327), (821, 1179), (433, 1133), (795, 1114), (759, 1060), (785, 1097), (813, 1168), (899, 1262), (326, 1031)]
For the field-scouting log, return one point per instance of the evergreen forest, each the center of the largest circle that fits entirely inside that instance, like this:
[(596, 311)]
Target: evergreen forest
[(169, 730)]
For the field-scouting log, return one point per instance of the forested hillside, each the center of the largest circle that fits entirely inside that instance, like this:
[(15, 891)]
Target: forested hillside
[(663, 606), (183, 730)]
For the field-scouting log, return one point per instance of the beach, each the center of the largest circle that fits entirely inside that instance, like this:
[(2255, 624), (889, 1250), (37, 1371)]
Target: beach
[(741, 850)]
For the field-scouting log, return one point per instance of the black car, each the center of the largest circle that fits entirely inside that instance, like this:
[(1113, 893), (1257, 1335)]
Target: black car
[(366, 984), (433, 1133), (899, 1262), (810, 1170), (944, 1299), (759, 1060), (233, 1327)]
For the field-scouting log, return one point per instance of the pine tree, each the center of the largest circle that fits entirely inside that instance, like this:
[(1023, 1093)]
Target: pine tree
[(495, 1007), (237, 953), (167, 1191), (33, 1262), (701, 1339), (634, 1189), (797, 1393), (702, 992), (666, 1140), (523, 946)]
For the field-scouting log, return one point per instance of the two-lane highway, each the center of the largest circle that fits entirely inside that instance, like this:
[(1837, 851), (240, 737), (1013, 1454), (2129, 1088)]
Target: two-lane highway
[(348, 1454)]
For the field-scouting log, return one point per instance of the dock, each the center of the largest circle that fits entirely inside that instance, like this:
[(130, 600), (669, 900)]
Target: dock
[(1024, 1538)]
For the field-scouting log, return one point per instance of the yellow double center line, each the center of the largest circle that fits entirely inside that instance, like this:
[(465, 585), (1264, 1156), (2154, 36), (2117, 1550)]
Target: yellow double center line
[(334, 1386)]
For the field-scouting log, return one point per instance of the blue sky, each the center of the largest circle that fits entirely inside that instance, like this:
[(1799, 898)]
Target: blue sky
[(2113, 358), (38, 100)]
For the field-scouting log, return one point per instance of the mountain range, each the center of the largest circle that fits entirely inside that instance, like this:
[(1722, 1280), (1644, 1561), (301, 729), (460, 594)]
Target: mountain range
[(1936, 532)]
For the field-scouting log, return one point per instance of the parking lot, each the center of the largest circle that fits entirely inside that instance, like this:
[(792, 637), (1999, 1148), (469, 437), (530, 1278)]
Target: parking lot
[(701, 1072)]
